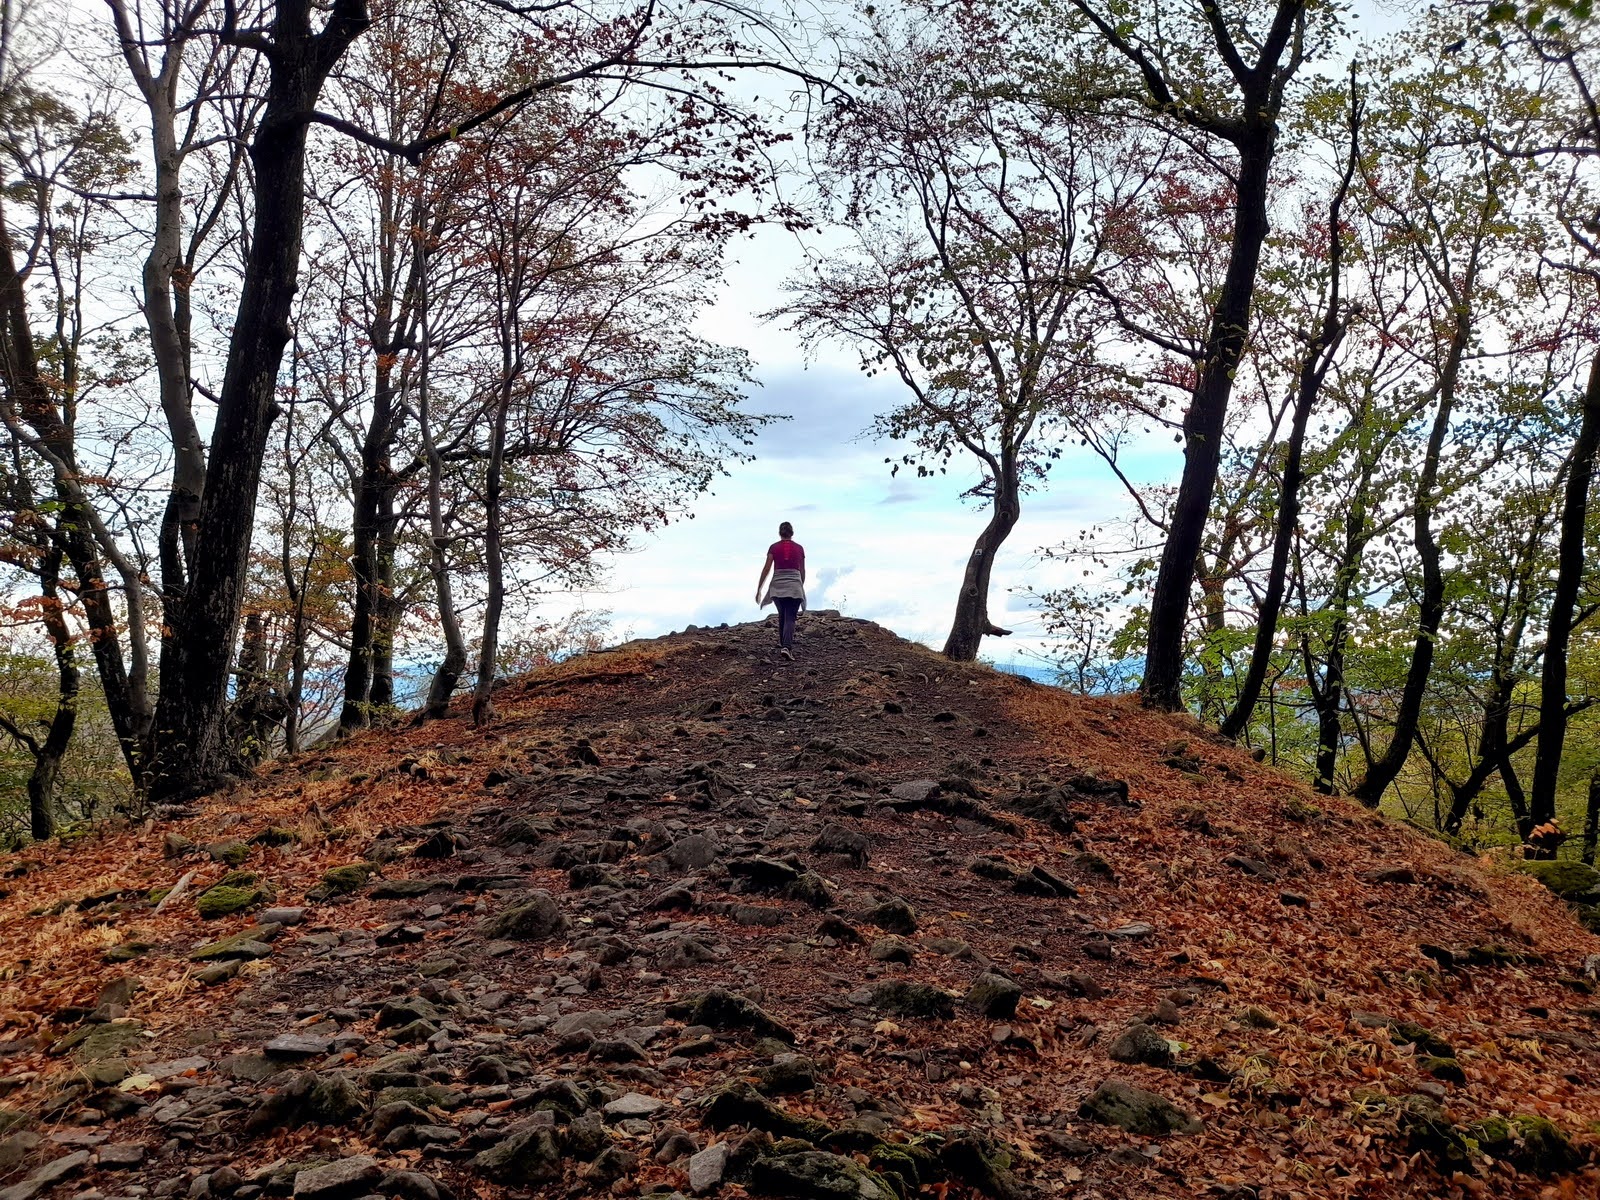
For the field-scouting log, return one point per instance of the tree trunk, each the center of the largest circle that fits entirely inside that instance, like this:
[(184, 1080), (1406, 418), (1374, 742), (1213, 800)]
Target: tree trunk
[(1591, 818), (1430, 604), (1569, 579), (1313, 370), (972, 622), (375, 480), (43, 782), (494, 565), (194, 671), (29, 406), (1203, 425), (387, 617)]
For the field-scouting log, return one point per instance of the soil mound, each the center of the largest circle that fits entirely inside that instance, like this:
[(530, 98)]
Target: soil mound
[(691, 919)]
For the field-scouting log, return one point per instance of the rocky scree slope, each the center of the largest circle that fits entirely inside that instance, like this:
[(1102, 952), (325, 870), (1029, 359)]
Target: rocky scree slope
[(690, 920)]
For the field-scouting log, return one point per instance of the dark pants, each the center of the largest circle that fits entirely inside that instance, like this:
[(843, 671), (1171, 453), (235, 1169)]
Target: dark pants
[(788, 610)]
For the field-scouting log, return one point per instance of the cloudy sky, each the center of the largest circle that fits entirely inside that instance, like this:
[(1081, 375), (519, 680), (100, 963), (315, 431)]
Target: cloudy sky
[(887, 548)]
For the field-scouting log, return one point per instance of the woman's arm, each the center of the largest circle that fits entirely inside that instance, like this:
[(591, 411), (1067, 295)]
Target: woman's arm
[(762, 582)]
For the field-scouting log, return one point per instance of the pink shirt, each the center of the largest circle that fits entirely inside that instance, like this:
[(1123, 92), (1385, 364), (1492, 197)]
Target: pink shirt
[(787, 555)]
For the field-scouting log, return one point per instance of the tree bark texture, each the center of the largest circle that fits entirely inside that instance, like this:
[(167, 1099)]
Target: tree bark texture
[(971, 623), (1203, 425), (1569, 580), (1381, 773), (194, 679)]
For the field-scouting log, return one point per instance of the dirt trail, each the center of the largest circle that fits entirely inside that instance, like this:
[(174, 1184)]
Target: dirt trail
[(868, 924)]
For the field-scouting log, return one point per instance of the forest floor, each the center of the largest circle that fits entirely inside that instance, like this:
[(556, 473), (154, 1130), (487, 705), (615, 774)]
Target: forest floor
[(691, 918)]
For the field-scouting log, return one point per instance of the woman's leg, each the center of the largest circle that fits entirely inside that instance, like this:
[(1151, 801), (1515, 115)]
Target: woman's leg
[(787, 611)]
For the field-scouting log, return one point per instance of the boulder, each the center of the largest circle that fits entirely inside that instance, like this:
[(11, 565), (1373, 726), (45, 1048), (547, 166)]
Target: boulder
[(1117, 1102), (994, 995), (1139, 1043), (538, 918), (721, 1009), (905, 999), (817, 1175), (527, 1155), (894, 915), (354, 1176)]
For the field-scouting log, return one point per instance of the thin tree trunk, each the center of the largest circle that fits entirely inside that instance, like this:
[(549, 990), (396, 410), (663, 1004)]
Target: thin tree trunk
[(972, 622), (1430, 604), (1569, 579), (1313, 370), (1591, 818), (30, 413), (1203, 426), (194, 678), (43, 782), (1515, 795), (494, 566), (387, 618), (454, 663)]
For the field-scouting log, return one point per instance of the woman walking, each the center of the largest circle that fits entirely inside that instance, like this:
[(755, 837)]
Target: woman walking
[(786, 559)]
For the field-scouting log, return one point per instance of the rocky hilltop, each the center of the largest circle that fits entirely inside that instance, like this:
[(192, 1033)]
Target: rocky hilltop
[(687, 919)]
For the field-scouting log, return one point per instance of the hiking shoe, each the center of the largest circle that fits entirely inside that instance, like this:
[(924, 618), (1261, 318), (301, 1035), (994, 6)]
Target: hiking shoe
[(786, 653)]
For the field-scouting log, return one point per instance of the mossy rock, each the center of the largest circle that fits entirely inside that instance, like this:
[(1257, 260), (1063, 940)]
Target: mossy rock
[(1295, 809), (128, 951), (533, 1155), (1425, 1040), (429, 1096), (1425, 1128), (905, 999), (1568, 879), (274, 835), (12, 1119), (342, 881), (157, 895), (231, 851), (740, 1104), (222, 901), (1117, 1102), (243, 945), (906, 1164), (983, 1165), (538, 918), (1529, 1143), (92, 1043), (817, 1175), (1588, 916)]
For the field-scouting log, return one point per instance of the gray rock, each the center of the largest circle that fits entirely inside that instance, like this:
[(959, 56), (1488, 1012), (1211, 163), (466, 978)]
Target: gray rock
[(817, 1175), (283, 916), (904, 999), (411, 1185), (894, 916), (354, 1176), (120, 1156), (1140, 1044), (527, 1155), (295, 1045), (692, 852), (634, 1104), (707, 1167), (57, 1169), (1117, 1102), (538, 918), (916, 791), (994, 995), (891, 949)]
